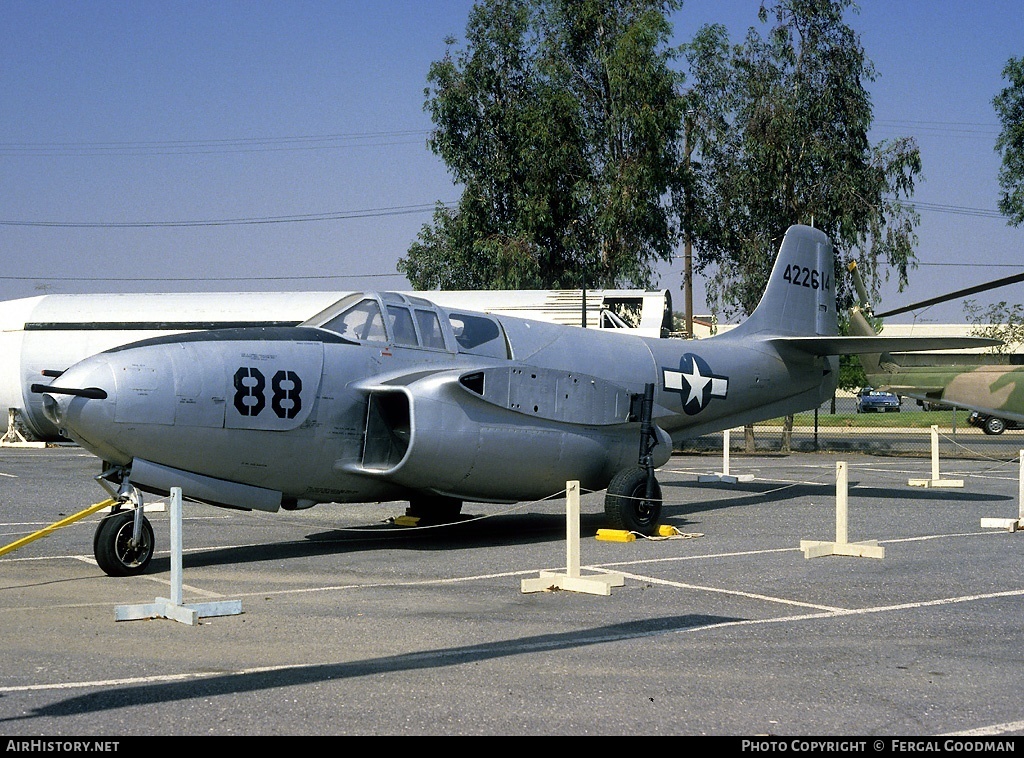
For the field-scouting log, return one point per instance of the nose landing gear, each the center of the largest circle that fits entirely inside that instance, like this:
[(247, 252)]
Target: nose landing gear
[(123, 543)]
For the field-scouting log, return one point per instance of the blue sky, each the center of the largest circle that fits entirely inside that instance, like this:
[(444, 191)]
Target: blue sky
[(123, 125)]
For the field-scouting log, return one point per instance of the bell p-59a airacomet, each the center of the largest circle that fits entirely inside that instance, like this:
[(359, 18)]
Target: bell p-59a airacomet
[(389, 397)]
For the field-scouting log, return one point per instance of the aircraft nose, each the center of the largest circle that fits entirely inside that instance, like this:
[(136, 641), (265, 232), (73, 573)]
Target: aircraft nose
[(80, 403)]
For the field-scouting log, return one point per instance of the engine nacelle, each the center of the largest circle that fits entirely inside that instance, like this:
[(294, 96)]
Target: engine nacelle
[(439, 435)]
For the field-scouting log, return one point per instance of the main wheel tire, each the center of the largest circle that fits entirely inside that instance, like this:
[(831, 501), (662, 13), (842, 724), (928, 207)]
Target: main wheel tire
[(114, 554), (626, 505), (994, 425)]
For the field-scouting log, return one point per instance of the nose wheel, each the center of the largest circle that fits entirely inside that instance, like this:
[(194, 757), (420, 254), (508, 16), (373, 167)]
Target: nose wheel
[(123, 543)]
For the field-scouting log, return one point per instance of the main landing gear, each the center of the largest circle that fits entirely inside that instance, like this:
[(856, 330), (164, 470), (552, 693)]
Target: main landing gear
[(633, 499), (123, 542), (434, 509)]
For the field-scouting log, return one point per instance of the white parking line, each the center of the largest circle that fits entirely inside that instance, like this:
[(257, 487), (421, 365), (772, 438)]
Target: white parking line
[(537, 645)]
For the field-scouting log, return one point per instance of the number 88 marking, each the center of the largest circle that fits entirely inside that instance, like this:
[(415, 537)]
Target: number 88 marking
[(250, 385)]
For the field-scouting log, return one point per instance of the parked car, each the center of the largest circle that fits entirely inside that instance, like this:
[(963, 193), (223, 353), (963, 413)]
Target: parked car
[(992, 424), (870, 400)]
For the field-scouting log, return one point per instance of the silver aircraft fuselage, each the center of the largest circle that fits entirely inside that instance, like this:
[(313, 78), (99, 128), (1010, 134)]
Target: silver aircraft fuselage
[(309, 415), (388, 396)]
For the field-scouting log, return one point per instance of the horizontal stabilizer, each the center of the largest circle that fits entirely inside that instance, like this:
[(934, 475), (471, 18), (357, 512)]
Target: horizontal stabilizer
[(868, 345)]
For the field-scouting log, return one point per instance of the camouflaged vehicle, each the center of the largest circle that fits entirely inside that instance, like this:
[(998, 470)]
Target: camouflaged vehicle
[(991, 384)]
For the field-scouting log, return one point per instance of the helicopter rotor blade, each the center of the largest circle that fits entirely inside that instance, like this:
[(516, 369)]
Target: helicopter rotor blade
[(953, 295)]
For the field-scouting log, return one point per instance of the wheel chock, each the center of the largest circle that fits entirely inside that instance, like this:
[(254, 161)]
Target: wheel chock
[(615, 535), (407, 521)]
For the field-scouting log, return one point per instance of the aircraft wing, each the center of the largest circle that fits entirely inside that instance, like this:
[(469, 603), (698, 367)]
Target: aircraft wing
[(868, 345)]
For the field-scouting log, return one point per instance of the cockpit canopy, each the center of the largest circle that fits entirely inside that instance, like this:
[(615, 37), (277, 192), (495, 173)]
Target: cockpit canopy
[(409, 321)]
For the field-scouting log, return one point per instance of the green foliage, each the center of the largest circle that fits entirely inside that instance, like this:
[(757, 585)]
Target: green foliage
[(780, 127), (1009, 105), (851, 369), (851, 373), (998, 321), (561, 122)]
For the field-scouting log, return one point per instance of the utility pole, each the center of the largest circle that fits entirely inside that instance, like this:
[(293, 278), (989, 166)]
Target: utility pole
[(687, 248)]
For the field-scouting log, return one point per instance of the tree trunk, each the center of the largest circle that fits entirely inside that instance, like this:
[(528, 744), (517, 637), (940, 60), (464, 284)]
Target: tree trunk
[(748, 436), (787, 434)]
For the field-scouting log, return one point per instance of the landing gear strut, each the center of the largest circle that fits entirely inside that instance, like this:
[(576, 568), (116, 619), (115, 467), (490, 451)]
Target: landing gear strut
[(123, 542), (633, 500)]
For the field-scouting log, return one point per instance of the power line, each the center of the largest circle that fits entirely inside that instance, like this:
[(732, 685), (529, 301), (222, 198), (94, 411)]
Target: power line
[(939, 128), (972, 264), (298, 218), (957, 209), (365, 213), (213, 146), (919, 122), (318, 277), (334, 141)]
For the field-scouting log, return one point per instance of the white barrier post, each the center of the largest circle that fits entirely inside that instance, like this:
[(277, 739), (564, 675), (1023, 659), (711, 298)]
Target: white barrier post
[(172, 608), (868, 549), (596, 584), (724, 475), (1011, 524), (935, 481)]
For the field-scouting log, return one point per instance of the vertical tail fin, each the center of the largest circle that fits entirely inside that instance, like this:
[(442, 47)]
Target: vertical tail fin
[(800, 299)]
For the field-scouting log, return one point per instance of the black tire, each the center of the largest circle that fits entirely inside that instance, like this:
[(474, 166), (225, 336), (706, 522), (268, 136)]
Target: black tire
[(434, 509), (994, 425), (626, 505), (110, 545)]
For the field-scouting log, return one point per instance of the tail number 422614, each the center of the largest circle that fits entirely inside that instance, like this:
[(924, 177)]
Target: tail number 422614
[(801, 276)]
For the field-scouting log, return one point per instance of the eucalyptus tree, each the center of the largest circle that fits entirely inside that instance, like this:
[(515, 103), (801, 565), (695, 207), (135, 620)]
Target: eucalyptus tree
[(560, 121), (1009, 105), (780, 136), (779, 128)]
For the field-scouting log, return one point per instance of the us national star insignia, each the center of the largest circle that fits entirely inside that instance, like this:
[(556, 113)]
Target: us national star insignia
[(695, 382)]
